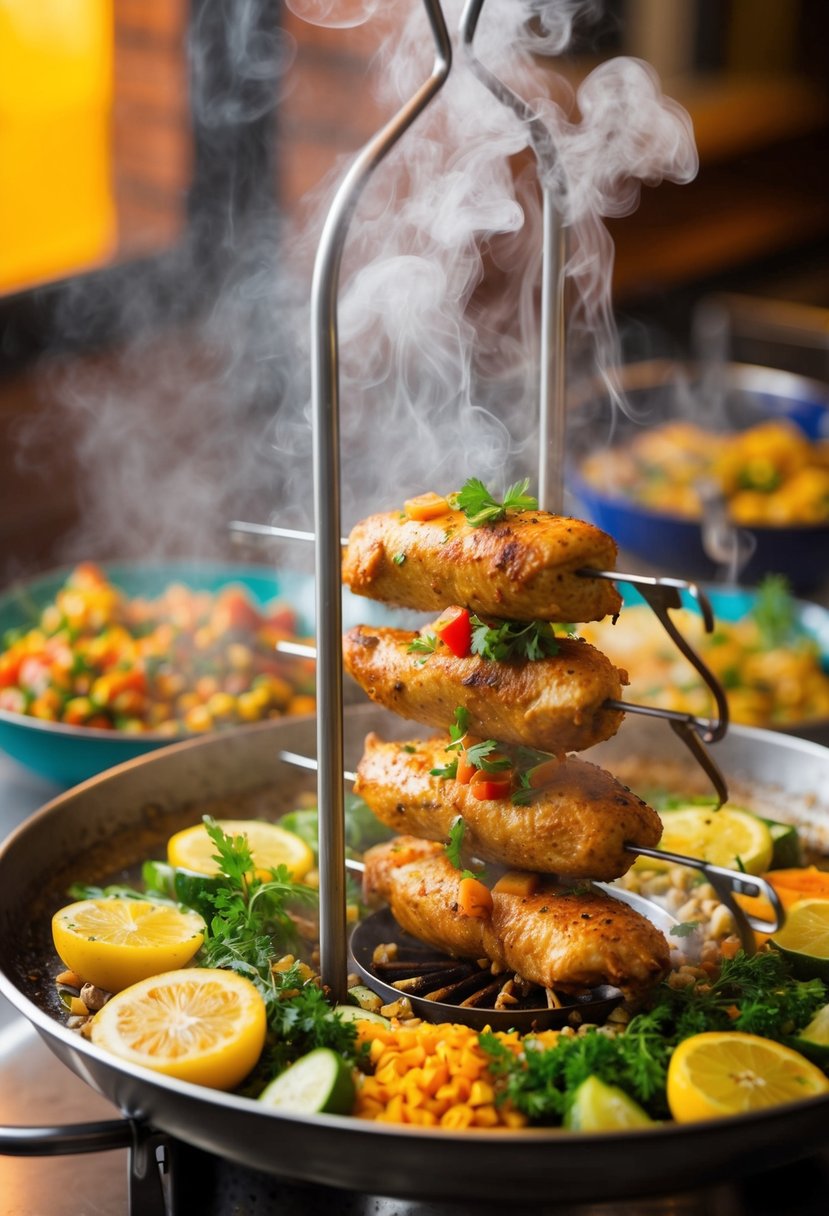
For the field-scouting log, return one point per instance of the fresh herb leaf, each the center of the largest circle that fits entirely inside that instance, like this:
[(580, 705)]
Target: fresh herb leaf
[(454, 844), (513, 639), (446, 771), (685, 929), (459, 728), (479, 507), (478, 756), (399, 559), (425, 644)]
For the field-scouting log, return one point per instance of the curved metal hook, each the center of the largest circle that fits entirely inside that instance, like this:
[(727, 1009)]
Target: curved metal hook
[(728, 883)]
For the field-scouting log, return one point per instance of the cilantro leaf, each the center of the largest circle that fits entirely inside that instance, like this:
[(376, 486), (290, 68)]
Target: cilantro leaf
[(513, 639), (425, 644), (479, 507), (454, 844)]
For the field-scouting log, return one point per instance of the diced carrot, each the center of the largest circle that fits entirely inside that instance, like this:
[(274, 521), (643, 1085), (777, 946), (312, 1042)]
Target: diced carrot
[(425, 506), (466, 770), (517, 882), (492, 785), (70, 978), (474, 899), (803, 882)]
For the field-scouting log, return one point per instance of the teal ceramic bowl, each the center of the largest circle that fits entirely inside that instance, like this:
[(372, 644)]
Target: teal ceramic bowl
[(70, 754)]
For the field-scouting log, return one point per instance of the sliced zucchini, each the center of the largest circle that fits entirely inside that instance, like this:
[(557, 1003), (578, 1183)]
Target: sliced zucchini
[(318, 1083)]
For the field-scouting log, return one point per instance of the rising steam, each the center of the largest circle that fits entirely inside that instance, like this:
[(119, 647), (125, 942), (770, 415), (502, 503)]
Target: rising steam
[(438, 311)]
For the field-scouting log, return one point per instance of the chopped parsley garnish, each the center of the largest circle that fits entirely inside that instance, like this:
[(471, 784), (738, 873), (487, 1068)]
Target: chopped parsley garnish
[(479, 507), (454, 846), (513, 639), (425, 644)]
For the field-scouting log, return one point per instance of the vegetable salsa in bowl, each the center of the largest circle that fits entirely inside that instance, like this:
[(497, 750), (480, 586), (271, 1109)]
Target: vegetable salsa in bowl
[(99, 664)]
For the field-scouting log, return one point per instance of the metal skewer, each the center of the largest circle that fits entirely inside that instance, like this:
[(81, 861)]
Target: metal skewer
[(661, 593), (326, 453), (693, 732), (552, 403), (726, 882)]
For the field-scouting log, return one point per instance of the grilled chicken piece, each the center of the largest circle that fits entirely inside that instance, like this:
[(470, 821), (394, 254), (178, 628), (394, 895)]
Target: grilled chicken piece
[(568, 940), (576, 826), (523, 568), (555, 704)]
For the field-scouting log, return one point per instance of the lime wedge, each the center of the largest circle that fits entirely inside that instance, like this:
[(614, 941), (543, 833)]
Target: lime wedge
[(804, 938), (786, 850), (728, 837), (598, 1107), (320, 1082), (813, 1040)]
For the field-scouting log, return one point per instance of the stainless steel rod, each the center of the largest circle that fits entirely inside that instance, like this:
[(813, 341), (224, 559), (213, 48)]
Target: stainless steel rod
[(552, 355), (327, 507)]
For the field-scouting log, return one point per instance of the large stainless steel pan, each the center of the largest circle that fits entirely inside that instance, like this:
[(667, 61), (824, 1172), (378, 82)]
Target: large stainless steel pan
[(116, 818)]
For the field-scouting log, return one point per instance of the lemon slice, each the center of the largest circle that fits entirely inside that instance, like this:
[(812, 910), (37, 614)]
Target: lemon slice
[(728, 837), (804, 938), (598, 1107), (116, 942), (201, 1025), (270, 846), (721, 1073)]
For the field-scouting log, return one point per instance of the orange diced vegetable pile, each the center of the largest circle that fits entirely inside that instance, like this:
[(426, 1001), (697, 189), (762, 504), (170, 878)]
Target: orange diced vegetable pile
[(434, 1076), (183, 663)]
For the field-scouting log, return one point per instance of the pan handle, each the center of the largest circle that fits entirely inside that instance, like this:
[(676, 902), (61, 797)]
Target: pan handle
[(148, 1161)]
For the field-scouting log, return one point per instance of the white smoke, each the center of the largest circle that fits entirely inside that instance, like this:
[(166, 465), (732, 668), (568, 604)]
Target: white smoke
[(438, 303)]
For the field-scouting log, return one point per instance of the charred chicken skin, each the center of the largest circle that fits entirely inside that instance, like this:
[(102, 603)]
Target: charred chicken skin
[(522, 568), (556, 704), (576, 826), (568, 940)]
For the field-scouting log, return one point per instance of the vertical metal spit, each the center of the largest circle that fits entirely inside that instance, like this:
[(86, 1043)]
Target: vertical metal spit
[(552, 401), (326, 458)]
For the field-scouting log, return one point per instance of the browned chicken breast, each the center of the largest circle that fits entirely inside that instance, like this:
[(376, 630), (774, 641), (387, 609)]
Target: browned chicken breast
[(568, 940), (523, 568), (556, 704), (577, 826)]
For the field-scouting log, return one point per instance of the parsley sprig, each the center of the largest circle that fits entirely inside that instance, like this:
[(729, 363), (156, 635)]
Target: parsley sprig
[(513, 639), (478, 754), (480, 508), (425, 644), (454, 849), (251, 929)]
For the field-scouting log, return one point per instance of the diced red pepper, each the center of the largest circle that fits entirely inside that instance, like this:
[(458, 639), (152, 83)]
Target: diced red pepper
[(454, 627)]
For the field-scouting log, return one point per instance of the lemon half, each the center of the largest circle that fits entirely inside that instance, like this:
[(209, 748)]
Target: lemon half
[(116, 942), (721, 1073), (200, 1024)]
